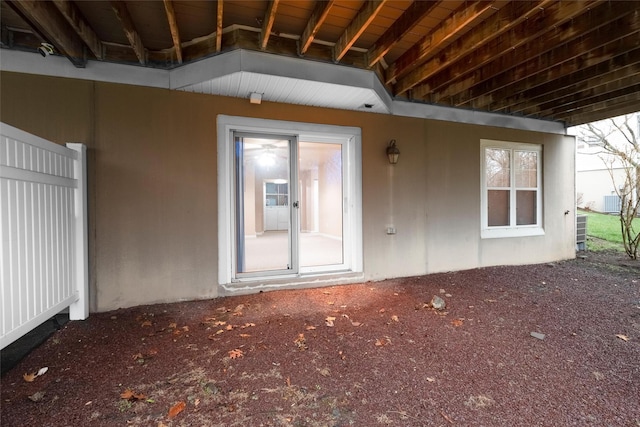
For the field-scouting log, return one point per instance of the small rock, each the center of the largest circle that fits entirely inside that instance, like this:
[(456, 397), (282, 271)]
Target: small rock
[(37, 396), (438, 303), (537, 335)]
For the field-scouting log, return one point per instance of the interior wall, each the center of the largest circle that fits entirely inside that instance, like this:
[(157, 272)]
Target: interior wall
[(153, 183)]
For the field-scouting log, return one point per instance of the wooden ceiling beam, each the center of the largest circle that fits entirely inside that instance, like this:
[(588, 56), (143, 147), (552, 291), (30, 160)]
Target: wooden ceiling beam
[(415, 13), (626, 66), (440, 37), (562, 24), (317, 18), (592, 95), (121, 11), (625, 104), (45, 20), (267, 23), (173, 27), (604, 111), (354, 30), (219, 26), (73, 16)]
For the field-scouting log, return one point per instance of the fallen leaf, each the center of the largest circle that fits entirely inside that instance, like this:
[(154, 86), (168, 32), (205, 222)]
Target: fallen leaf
[(301, 342), (330, 302), (238, 308), (395, 318), (288, 381), (185, 328), (196, 402), (236, 353), (356, 324), (147, 323), (42, 371), (229, 327), (457, 322), (329, 321), (29, 377), (381, 342), (382, 310), (622, 337), (244, 335), (173, 325), (247, 325), (176, 409), (310, 328), (431, 379), (129, 394)]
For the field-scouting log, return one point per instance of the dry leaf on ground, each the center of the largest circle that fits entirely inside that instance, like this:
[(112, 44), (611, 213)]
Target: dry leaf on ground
[(176, 409), (30, 377), (310, 328), (129, 394), (329, 321), (147, 323), (622, 337), (457, 322), (236, 353), (395, 318)]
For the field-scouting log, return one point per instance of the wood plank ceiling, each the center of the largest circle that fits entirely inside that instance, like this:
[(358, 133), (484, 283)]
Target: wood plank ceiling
[(571, 61)]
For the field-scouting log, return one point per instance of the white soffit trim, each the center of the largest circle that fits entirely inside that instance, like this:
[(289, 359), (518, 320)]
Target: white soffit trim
[(459, 115), (284, 79), (59, 66), (277, 78)]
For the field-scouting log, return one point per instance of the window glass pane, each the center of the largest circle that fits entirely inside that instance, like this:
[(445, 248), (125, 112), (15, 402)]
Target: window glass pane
[(497, 167), (321, 221), (498, 204), (526, 168), (526, 207)]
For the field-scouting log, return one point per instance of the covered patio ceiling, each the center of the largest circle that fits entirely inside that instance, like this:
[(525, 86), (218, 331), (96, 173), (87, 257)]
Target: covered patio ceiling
[(567, 61)]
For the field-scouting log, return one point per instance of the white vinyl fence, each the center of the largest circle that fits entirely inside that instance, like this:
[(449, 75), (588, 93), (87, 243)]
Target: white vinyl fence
[(43, 226)]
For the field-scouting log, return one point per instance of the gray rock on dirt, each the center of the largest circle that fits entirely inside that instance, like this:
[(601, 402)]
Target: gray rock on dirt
[(438, 303)]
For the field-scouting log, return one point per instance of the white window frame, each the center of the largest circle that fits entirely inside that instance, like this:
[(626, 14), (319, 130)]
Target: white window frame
[(487, 232), (352, 187)]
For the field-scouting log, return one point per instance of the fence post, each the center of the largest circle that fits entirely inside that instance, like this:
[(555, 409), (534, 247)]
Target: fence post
[(79, 310)]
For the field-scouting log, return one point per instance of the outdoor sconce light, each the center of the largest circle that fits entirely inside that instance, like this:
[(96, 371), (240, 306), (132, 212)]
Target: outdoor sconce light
[(255, 98), (392, 152)]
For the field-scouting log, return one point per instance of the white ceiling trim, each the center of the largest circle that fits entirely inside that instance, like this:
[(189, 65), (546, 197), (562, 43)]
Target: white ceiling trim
[(277, 78)]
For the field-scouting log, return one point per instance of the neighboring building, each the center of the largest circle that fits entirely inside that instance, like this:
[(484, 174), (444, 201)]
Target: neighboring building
[(599, 173)]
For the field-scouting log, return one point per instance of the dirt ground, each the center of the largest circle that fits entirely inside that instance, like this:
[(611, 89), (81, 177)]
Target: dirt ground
[(543, 345)]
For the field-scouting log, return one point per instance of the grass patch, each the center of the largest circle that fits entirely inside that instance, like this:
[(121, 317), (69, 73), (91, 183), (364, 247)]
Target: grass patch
[(604, 231)]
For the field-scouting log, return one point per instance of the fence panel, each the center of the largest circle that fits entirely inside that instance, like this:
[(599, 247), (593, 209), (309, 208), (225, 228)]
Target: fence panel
[(43, 214)]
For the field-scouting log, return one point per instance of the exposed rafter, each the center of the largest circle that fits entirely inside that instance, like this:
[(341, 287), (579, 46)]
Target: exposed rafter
[(568, 45), (317, 18), (441, 36), (73, 16), (551, 59), (219, 16), (267, 23), (531, 101), (173, 26), (120, 8), (48, 23), (365, 15), (400, 28)]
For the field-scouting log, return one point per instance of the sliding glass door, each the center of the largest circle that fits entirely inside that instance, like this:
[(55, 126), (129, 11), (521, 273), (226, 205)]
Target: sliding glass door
[(288, 205)]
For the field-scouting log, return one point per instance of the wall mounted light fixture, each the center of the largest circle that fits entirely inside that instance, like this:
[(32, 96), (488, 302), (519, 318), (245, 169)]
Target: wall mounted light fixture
[(392, 152), (255, 98)]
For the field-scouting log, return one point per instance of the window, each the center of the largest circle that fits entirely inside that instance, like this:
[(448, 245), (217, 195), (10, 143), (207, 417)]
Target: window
[(511, 189)]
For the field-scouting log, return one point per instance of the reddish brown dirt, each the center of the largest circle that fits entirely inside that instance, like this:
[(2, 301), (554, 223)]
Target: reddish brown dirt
[(388, 360)]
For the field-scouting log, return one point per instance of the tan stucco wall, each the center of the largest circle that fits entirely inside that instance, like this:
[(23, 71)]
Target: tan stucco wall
[(153, 203)]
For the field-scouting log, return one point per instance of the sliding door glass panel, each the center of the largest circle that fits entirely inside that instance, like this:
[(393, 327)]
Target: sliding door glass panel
[(320, 185), (262, 208)]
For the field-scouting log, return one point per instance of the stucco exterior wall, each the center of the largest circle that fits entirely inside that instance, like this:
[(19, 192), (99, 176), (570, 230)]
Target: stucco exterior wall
[(153, 178)]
